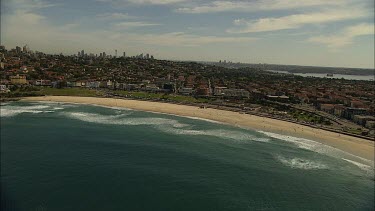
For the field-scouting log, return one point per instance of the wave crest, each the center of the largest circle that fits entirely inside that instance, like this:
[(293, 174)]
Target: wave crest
[(163, 124), (120, 120), (320, 148), (10, 111), (300, 163), (227, 134)]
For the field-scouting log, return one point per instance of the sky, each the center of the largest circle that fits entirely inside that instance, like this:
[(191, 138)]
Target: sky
[(338, 33)]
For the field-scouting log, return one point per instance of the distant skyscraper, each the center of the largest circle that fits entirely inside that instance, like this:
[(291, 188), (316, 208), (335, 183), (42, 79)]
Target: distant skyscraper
[(83, 53), (18, 49), (79, 54), (25, 49), (124, 54), (104, 55), (115, 53)]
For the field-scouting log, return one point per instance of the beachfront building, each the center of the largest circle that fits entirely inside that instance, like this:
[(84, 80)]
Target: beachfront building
[(236, 93), (42, 82), (362, 119), (202, 91), (351, 112), (185, 91), (282, 98), (329, 108), (4, 89), (109, 84), (79, 84), (339, 110), (219, 90), (370, 124), (93, 84), (18, 79)]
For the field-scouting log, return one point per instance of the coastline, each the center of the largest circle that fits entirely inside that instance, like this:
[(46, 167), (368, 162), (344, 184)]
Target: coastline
[(353, 145)]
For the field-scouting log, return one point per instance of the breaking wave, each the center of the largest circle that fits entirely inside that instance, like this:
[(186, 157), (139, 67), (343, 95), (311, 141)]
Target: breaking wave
[(10, 111), (299, 163), (163, 124), (120, 120), (368, 169), (320, 148), (228, 134)]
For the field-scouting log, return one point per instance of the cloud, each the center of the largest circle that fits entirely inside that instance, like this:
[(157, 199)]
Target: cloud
[(115, 16), (155, 1), (28, 5), (187, 40), (295, 20), (36, 30), (345, 37), (127, 25), (244, 6), (142, 2), (29, 17)]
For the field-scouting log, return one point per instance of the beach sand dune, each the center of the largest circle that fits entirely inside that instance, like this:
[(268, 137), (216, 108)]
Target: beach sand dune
[(356, 146)]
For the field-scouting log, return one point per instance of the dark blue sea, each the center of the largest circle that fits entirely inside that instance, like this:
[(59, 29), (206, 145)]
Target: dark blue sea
[(58, 156)]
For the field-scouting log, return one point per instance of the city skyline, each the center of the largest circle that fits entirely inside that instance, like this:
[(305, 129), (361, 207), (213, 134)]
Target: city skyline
[(316, 33)]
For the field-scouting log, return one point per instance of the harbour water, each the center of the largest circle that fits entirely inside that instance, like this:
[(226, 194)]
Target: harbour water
[(58, 156), (324, 75)]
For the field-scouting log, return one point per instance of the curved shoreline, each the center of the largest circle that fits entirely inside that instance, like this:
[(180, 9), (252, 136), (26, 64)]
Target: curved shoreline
[(354, 145)]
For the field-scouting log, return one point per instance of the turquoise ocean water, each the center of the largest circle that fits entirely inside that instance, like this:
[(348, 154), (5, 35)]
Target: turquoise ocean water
[(57, 156)]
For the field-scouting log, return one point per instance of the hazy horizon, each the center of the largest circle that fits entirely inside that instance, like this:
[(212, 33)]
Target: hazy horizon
[(337, 33)]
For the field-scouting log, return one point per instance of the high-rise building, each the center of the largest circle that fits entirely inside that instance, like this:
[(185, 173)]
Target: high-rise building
[(79, 54), (115, 53), (25, 49), (124, 54), (83, 53), (18, 49), (104, 55)]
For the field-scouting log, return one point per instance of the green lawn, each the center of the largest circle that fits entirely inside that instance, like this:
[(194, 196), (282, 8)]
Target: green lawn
[(69, 92), (176, 98), (357, 131), (95, 93), (308, 117)]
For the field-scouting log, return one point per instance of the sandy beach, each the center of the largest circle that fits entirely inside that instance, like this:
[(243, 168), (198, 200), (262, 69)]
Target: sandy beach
[(356, 146)]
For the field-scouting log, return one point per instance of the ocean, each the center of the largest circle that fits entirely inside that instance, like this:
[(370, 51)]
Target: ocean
[(60, 156)]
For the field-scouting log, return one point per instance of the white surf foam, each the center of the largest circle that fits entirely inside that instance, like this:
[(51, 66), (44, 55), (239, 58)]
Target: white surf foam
[(58, 108), (318, 147), (121, 120), (163, 124), (227, 134), (202, 119), (300, 163), (10, 111), (189, 117), (360, 165)]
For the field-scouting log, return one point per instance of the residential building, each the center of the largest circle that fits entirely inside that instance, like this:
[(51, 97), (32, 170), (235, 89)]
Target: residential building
[(18, 79)]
